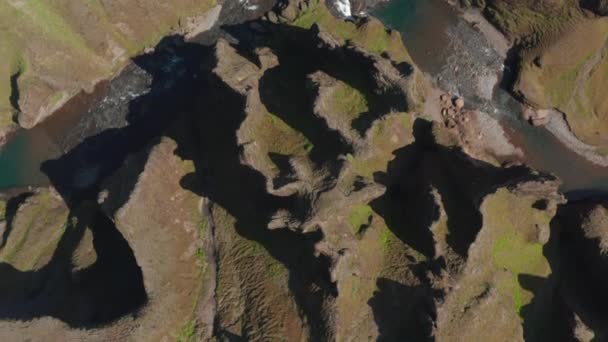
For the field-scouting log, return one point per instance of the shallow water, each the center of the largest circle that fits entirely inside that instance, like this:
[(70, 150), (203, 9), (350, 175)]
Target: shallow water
[(85, 115), (460, 59), (441, 44), (20, 159)]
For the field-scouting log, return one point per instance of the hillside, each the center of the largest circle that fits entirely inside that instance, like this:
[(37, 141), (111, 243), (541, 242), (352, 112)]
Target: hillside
[(297, 178)]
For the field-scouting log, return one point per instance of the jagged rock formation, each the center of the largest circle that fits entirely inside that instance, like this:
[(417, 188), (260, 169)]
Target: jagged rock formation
[(53, 50), (578, 258), (288, 183)]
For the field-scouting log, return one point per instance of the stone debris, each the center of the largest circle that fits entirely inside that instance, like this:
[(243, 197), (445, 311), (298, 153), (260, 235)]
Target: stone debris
[(452, 110), (538, 117), (459, 103)]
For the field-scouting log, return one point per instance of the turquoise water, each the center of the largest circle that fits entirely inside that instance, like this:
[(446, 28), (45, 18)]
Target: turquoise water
[(399, 15), (11, 160), (421, 24), (20, 159)]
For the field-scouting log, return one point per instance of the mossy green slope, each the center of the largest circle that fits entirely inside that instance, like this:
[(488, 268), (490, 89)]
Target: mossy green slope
[(368, 33), (53, 49), (492, 291)]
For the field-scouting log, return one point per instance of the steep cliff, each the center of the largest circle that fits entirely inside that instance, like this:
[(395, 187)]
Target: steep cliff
[(289, 183), (52, 50)]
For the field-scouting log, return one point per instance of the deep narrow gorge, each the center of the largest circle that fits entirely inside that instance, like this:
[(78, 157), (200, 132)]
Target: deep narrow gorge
[(290, 175)]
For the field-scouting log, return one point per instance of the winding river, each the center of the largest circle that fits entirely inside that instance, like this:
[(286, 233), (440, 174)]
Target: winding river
[(441, 43), (459, 58)]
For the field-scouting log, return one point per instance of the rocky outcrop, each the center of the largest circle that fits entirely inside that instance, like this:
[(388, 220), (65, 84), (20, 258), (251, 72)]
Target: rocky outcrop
[(287, 183), (598, 6), (53, 51), (577, 256)]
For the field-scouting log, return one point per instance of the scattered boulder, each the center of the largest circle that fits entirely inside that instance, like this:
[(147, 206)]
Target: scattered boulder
[(459, 103), (538, 117)]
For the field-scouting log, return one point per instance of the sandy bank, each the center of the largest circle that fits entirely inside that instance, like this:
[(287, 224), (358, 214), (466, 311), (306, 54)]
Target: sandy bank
[(558, 126)]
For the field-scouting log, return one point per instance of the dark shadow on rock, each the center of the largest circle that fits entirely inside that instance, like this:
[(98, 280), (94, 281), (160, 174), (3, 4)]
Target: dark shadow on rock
[(546, 317), (403, 313), (230, 337), (286, 172), (174, 66), (409, 207), (287, 92), (201, 113), (210, 129), (582, 267), (541, 204), (14, 96), (12, 206), (113, 286), (99, 294), (359, 184), (301, 53), (577, 285)]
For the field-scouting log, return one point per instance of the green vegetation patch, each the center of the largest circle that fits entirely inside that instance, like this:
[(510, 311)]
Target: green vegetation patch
[(512, 252), (187, 332), (317, 13), (2, 210), (369, 33), (561, 81), (349, 101), (39, 212), (514, 247), (360, 216), (279, 137), (385, 136), (569, 74), (38, 227), (386, 237), (45, 17), (520, 20)]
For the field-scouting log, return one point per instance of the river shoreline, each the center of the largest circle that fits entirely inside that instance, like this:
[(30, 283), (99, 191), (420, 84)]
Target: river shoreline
[(559, 127), (463, 53), (68, 117), (192, 28), (105, 107), (557, 124)]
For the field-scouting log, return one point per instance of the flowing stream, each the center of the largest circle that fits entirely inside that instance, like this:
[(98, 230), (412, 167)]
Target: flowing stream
[(83, 116), (460, 58), (456, 55)]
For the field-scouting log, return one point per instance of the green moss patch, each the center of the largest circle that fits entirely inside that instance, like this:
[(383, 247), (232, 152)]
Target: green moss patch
[(385, 136), (279, 137), (369, 33), (514, 247), (513, 253), (359, 217), (349, 101), (569, 73), (520, 20), (2, 210), (187, 332)]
